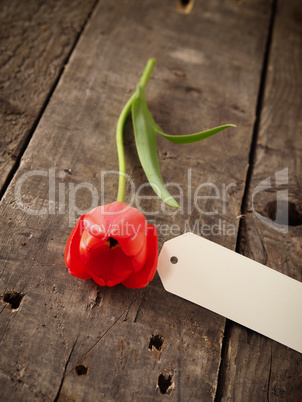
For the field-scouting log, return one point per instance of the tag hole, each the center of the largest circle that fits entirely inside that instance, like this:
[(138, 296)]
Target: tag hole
[(174, 260)]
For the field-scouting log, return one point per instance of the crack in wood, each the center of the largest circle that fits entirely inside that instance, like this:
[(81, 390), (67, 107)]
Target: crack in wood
[(104, 334), (139, 307), (257, 118), (225, 338), (132, 301), (244, 205), (65, 369), (2, 309), (269, 375)]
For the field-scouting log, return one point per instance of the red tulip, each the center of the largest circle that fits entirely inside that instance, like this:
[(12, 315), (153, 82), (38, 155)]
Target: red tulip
[(113, 244)]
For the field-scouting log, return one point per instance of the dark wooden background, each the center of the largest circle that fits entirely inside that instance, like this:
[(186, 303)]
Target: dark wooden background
[(66, 70)]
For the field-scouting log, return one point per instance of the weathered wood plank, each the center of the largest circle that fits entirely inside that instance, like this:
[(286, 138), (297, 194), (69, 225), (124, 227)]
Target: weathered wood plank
[(71, 340), (257, 368), (35, 40)]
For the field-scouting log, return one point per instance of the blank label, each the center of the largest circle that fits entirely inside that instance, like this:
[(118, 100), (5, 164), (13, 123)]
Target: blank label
[(234, 286)]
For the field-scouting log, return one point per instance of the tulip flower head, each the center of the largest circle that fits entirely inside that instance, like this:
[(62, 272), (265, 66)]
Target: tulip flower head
[(113, 244)]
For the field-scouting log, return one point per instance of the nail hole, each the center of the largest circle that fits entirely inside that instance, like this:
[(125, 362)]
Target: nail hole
[(283, 213), (156, 341), (165, 383), (13, 299), (185, 6), (174, 260), (81, 370)]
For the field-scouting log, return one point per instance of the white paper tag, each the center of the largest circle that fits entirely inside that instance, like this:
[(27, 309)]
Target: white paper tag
[(234, 286)]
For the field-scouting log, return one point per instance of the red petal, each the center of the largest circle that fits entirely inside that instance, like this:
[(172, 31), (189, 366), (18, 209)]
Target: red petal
[(134, 245), (72, 253), (139, 260), (146, 274), (115, 219), (125, 224), (91, 242), (107, 266)]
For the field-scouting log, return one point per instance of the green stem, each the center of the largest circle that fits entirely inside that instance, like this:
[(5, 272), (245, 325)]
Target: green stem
[(120, 149), (147, 72), (120, 131)]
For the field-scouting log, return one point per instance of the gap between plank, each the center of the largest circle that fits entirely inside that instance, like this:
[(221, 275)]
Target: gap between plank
[(44, 106), (229, 323)]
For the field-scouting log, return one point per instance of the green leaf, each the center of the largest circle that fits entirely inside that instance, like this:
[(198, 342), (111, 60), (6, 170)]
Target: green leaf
[(189, 138), (145, 138), (145, 130)]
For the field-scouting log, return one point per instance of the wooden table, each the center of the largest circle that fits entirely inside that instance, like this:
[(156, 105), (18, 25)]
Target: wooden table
[(67, 68)]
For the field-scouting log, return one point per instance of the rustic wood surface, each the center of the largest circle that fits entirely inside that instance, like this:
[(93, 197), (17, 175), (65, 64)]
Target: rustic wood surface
[(254, 367), (36, 38), (69, 339)]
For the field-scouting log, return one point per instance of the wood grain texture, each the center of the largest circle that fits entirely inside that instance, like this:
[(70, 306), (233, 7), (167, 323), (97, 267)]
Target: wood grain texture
[(36, 38), (256, 368), (69, 339)]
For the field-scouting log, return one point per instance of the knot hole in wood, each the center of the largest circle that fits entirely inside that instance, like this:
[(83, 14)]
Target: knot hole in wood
[(13, 299), (81, 369), (185, 6), (165, 383), (156, 341)]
